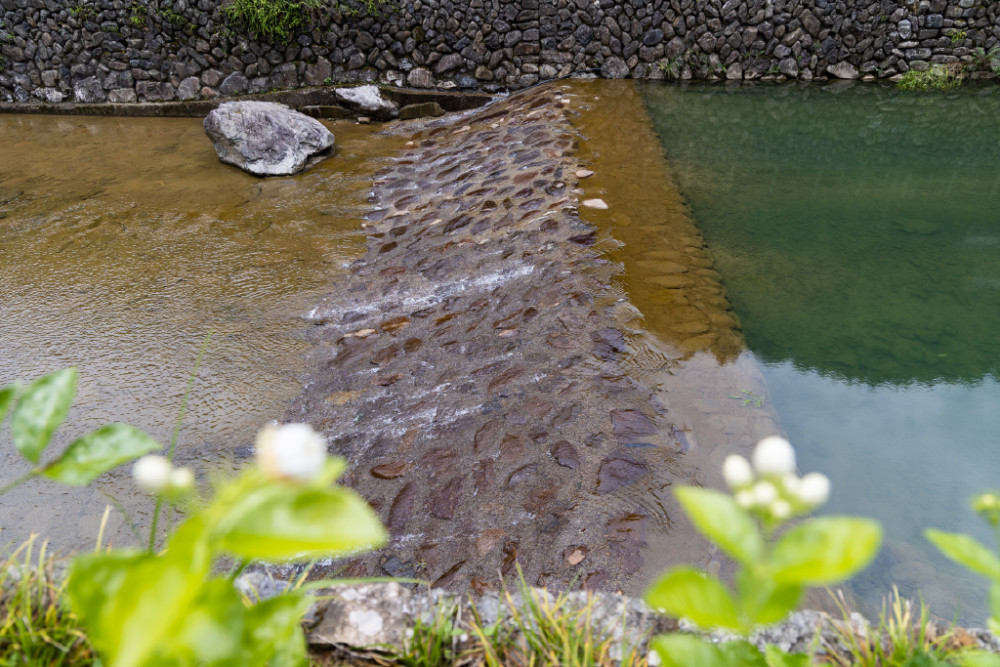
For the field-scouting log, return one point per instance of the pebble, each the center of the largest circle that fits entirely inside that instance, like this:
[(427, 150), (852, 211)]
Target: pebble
[(595, 203)]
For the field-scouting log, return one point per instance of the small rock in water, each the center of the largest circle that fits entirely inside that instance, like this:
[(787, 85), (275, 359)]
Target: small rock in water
[(584, 173), (595, 203), (267, 139), (367, 99)]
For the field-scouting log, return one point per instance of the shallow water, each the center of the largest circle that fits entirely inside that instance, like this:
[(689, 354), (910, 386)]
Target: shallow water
[(123, 244), (855, 228)]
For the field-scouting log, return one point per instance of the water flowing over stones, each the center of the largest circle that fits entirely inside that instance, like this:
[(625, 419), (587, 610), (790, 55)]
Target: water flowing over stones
[(267, 139), (469, 368)]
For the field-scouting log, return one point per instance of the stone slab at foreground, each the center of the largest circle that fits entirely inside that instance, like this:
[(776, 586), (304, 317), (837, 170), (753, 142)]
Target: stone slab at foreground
[(267, 139)]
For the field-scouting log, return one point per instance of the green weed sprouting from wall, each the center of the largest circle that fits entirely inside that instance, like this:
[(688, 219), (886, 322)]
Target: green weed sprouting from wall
[(937, 77), (279, 20), (271, 20)]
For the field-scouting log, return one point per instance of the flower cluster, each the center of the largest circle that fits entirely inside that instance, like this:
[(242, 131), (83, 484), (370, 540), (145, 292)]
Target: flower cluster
[(770, 488), (157, 475), (987, 505)]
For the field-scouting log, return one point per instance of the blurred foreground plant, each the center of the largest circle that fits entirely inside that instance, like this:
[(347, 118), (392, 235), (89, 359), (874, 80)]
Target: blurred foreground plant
[(171, 608), (141, 607), (972, 554), (775, 566)]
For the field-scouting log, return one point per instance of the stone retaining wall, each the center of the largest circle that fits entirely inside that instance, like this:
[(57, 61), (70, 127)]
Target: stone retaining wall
[(151, 50)]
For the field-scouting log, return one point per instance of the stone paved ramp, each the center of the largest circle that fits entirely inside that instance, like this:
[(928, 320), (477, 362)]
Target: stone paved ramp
[(469, 368)]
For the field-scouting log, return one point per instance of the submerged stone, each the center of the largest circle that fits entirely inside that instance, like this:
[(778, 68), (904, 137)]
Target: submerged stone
[(267, 139)]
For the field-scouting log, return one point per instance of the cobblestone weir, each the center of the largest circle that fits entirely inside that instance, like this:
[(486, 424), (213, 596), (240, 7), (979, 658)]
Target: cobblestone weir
[(469, 367), (152, 50)]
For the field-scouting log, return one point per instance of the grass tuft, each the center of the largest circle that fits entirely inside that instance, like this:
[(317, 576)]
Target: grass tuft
[(35, 626), (905, 636), (937, 77)]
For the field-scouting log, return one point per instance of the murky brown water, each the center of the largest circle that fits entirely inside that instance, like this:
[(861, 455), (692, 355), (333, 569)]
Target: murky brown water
[(123, 242)]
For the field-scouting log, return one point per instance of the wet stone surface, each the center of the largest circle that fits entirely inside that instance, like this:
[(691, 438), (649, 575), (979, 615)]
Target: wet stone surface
[(470, 368)]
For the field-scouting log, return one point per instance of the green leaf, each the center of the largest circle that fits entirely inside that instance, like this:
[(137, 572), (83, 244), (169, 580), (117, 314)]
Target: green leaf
[(7, 396), (978, 659), (720, 519), (687, 651), (40, 410), (778, 658), (967, 551), (94, 454), (134, 603), (283, 521), (274, 630), (995, 601), (742, 653), (212, 630), (825, 550), (684, 592), (765, 601)]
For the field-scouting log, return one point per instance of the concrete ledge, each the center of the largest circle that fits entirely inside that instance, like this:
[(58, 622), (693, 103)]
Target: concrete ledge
[(321, 97)]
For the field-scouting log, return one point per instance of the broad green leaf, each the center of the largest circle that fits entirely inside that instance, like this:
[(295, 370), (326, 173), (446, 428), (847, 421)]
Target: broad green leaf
[(778, 658), (688, 651), (825, 550), (282, 522), (40, 410), (94, 454), (967, 551), (274, 630), (742, 653), (978, 659), (7, 396), (721, 520), (684, 592), (212, 631), (133, 605), (765, 601), (995, 600)]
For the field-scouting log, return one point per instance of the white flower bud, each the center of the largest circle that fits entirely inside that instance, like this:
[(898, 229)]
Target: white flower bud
[(737, 472), (152, 473), (744, 498), (814, 489), (764, 493), (780, 509), (774, 456), (180, 481), (292, 451)]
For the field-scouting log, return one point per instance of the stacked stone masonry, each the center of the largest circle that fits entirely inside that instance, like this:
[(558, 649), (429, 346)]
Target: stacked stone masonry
[(157, 50)]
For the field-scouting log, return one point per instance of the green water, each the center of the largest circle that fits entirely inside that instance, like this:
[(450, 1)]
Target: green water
[(858, 235)]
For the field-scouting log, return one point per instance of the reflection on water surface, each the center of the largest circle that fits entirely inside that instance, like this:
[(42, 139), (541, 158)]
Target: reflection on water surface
[(856, 232), (123, 242)]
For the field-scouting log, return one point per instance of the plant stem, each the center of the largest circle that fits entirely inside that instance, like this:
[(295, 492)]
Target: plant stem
[(34, 472), (173, 438)]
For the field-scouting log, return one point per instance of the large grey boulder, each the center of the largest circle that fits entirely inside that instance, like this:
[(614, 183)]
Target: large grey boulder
[(267, 139)]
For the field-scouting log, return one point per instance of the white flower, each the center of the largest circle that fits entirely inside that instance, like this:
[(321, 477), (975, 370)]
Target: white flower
[(774, 456), (292, 451), (744, 498), (180, 480), (764, 493), (814, 489), (737, 472), (781, 509), (152, 473)]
